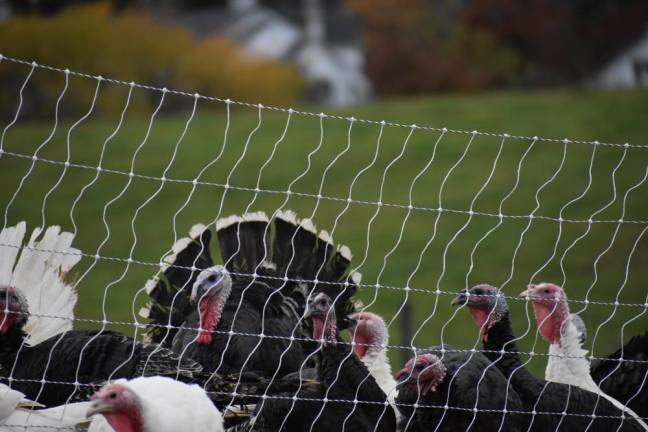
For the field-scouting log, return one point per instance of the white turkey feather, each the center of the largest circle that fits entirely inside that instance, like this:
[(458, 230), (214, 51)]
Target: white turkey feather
[(567, 364), (10, 241), (16, 414), (376, 362), (38, 273)]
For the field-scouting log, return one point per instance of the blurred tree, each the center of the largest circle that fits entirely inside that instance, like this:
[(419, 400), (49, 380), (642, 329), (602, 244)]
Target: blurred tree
[(416, 46), (97, 40), (559, 40)]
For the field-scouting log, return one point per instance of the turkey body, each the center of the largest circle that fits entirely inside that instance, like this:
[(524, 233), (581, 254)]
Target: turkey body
[(548, 405), (626, 381), (228, 353), (339, 412), (542, 396), (99, 356), (343, 378), (157, 404), (259, 328), (470, 381)]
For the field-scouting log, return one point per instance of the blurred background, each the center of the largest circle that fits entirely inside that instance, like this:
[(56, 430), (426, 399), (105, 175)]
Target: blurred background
[(337, 52), (576, 69)]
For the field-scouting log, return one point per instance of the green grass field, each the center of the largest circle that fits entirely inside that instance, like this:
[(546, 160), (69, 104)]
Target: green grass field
[(144, 215)]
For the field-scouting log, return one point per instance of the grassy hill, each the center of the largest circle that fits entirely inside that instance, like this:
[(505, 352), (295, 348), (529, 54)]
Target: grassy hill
[(394, 246)]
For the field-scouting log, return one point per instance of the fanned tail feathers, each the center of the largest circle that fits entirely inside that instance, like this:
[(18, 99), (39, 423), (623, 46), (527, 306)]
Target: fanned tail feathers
[(291, 248), (250, 244), (244, 241), (169, 293), (40, 275)]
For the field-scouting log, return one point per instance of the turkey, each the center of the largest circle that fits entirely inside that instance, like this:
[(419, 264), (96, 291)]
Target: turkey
[(627, 381), (91, 356), (567, 363), (157, 404), (440, 377), (582, 409), (222, 309), (41, 273), (370, 339), (343, 378)]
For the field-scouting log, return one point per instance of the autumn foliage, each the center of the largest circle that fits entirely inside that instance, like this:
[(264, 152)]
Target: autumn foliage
[(413, 48), (423, 45), (130, 45)]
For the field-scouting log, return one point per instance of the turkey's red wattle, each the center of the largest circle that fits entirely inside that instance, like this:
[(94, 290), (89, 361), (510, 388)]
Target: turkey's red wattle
[(318, 328), (209, 316), (362, 342), (6, 321), (481, 317), (549, 321), (130, 421), (429, 379)]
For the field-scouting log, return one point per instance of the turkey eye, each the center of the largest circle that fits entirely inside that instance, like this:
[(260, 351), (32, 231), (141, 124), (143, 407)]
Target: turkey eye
[(211, 278), (546, 291), (478, 292), (113, 395)]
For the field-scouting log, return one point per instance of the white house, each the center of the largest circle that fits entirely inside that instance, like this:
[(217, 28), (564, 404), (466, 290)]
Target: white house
[(629, 69), (333, 68)]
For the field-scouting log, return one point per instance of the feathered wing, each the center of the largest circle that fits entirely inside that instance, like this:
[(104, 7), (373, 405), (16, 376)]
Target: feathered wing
[(40, 274), (9, 400), (628, 381), (17, 413), (169, 294), (92, 357)]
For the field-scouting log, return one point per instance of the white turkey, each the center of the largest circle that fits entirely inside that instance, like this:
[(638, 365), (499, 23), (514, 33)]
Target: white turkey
[(567, 363), (157, 404), (370, 338)]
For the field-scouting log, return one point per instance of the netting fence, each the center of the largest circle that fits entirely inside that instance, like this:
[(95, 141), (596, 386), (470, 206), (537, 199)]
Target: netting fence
[(426, 211)]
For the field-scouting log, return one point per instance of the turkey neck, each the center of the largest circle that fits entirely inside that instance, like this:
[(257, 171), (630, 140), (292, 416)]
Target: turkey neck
[(10, 343), (500, 336), (331, 356)]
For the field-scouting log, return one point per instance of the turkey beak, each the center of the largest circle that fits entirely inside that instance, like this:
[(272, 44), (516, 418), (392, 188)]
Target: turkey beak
[(528, 293), (349, 323), (461, 298), (407, 373), (194, 294), (98, 407), (403, 374), (310, 310), (27, 404)]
